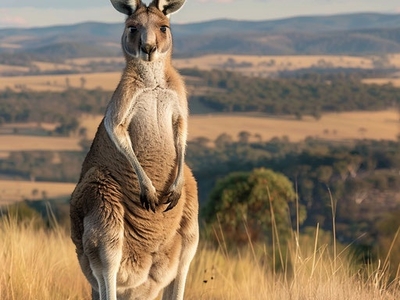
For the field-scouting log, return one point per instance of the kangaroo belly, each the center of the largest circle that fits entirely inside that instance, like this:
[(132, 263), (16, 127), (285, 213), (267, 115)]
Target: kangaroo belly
[(151, 131)]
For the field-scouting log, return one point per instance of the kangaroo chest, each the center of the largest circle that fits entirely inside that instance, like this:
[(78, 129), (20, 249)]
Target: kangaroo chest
[(152, 120)]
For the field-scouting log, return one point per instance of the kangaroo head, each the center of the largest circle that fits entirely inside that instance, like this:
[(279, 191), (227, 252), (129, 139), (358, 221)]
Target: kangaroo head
[(147, 34)]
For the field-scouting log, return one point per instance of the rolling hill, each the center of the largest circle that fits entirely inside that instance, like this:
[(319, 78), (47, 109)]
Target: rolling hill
[(362, 33)]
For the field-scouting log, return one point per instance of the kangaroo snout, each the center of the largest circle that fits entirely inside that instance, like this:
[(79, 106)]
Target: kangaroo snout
[(148, 52), (148, 48)]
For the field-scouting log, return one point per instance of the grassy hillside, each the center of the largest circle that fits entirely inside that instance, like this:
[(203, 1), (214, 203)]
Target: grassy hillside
[(41, 264)]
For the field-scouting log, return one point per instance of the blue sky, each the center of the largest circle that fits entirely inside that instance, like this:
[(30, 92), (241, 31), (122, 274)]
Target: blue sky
[(34, 13)]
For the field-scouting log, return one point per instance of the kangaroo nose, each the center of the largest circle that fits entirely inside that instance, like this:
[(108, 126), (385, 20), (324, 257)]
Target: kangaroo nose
[(148, 49)]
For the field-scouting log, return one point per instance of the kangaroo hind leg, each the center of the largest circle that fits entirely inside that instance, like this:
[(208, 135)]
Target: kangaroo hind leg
[(104, 250)]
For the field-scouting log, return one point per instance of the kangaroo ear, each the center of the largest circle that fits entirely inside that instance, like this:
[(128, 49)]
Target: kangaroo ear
[(168, 6), (126, 7)]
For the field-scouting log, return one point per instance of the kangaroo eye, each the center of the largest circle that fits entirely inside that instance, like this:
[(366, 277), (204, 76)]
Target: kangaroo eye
[(132, 29), (163, 28)]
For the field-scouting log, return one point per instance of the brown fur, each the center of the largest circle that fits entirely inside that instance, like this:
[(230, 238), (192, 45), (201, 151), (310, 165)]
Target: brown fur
[(134, 212)]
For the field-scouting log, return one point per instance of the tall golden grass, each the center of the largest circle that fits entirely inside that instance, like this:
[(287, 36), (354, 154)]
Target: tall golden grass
[(41, 264)]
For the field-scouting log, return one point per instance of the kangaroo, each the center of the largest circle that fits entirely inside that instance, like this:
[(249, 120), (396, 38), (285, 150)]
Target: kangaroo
[(134, 211)]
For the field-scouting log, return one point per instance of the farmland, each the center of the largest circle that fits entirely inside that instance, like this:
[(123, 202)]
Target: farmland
[(15, 190), (32, 143), (78, 69), (105, 81), (331, 126)]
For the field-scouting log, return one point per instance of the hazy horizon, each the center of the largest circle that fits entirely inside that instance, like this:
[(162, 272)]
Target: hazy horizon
[(22, 14)]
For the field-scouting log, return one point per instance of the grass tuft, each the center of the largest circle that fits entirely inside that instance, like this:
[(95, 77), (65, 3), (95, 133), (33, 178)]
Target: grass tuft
[(40, 263)]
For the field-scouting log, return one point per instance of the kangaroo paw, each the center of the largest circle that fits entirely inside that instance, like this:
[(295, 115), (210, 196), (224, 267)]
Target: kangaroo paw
[(173, 197), (149, 199)]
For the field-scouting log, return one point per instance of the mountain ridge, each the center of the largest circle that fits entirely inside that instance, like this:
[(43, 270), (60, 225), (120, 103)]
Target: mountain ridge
[(356, 34)]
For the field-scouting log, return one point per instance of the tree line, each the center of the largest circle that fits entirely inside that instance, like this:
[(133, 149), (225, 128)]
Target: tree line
[(313, 94), (362, 176), (222, 91)]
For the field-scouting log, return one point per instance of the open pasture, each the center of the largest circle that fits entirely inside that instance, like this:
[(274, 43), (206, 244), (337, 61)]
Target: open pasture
[(15, 190), (86, 61), (105, 81), (10, 142), (257, 63), (12, 69), (48, 66), (394, 81), (272, 63), (333, 126), (249, 65)]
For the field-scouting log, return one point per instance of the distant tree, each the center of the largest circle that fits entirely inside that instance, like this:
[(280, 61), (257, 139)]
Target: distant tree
[(256, 200), (35, 193), (223, 140), (316, 113), (85, 144), (68, 126), (83, 132), (298, 115), (67, 82), (244, 137), (324, 173), (83, 82), (258, 137), (201, 141)]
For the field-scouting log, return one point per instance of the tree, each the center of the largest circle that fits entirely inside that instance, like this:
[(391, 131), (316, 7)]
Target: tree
[(223, 140), (83, 82), (388, 229), (244, 137), (251, 205), (67, 82)]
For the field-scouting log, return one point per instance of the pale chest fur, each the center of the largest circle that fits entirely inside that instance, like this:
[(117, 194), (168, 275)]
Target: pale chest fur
[(151, 121)]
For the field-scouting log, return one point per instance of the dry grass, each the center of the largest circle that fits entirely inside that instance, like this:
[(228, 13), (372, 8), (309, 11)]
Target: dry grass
[(336, 126), (46, 66), (258, 65), (274, 63), (9, 68), (287, 62), (394, 81), (90, 60), (12, 191), (90, 122), (39, 264), (31, 143), (105, 81)]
